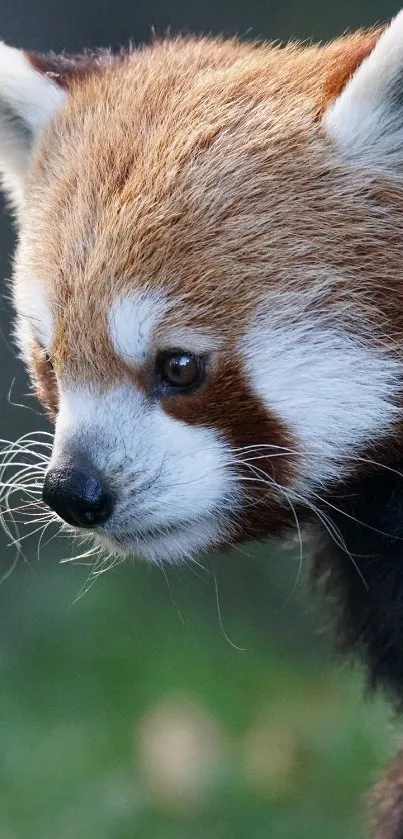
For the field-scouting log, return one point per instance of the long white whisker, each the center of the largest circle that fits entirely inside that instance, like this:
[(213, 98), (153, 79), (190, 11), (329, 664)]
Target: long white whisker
[(231, 643), (336, 537), (269, 482), (41, 543)]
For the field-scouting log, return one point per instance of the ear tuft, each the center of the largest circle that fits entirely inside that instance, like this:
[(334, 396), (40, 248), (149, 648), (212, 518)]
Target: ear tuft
[(348, 57), (28, 100), (366, 121), (32, 88), (64, 69)]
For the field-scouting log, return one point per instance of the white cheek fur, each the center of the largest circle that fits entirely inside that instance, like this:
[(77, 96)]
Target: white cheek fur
[(334, 394), (164, 471)]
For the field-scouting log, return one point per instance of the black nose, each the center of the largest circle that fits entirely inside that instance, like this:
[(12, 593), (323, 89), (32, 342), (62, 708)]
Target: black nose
[(77, 496)]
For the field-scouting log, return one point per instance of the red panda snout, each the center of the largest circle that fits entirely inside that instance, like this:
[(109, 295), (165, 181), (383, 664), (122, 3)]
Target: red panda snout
[(77, 494), (173, 485)]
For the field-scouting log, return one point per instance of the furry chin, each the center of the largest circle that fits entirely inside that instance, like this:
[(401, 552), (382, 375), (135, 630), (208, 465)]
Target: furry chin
[(181, 542)]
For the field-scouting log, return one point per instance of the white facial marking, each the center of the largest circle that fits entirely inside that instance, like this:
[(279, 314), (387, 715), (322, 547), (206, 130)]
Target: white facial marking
[(131, 322), (335, 395), (134, 320), (28, 100), (165, 474), (366, 121), (191, 338), (35, 318)]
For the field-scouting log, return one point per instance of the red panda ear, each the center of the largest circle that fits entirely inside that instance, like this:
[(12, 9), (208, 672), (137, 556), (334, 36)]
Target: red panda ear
[(365, 122), (32, 88), (64, 69), (347, 57), (28, 100)]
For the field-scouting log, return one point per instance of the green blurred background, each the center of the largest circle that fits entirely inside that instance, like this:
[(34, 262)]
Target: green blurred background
[(203, 702)]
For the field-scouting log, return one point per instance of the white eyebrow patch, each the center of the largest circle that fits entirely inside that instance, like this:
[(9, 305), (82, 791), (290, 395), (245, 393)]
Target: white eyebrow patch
[(191, 338), (132, 320), (135, 317), (34, 311)]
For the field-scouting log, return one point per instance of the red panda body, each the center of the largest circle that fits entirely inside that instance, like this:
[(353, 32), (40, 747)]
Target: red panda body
[(209, 298)]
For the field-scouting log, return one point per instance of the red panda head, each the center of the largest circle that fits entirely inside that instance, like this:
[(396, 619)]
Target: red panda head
[(207, 282)]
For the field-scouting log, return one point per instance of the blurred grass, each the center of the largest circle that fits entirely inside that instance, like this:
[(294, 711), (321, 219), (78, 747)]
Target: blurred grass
[(127, 712)]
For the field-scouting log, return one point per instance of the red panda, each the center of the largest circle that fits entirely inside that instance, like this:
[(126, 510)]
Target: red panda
[(208, 299)]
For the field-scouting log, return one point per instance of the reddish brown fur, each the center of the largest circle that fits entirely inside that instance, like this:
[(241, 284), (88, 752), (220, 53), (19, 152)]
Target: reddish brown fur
[(138, 201), (201, 166), (356, 49)]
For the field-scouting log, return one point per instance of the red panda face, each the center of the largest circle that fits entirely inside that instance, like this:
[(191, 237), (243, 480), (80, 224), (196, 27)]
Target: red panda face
[(197, 286)]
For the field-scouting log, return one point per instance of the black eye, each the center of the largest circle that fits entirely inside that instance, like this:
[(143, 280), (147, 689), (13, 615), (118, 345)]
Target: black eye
[(180, 370)]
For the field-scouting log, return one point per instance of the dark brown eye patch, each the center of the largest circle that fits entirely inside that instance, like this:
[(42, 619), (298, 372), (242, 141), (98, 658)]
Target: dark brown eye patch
[(179, 371)]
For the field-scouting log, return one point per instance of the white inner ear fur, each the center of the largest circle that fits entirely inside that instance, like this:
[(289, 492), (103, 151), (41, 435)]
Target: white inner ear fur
[(28, 100), (366, 121)]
